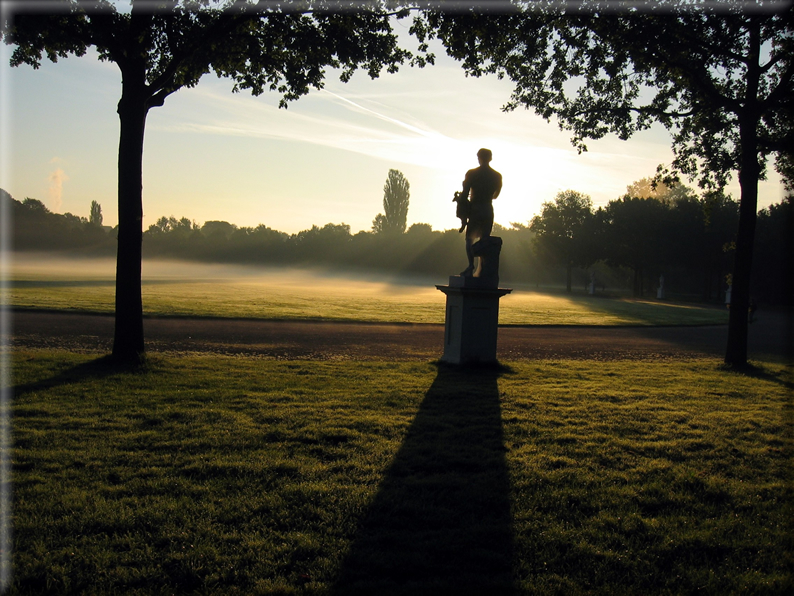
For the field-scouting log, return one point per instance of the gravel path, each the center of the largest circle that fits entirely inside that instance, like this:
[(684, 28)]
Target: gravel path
[(770, 336)]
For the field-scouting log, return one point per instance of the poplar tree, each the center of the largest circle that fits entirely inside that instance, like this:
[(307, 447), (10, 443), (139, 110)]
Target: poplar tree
[(396, 193), (95, 217)]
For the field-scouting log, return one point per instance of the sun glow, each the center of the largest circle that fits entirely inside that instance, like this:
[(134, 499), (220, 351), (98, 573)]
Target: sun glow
[(531, 175)]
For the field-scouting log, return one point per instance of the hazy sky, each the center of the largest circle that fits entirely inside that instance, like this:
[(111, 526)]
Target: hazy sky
[(210, 154)]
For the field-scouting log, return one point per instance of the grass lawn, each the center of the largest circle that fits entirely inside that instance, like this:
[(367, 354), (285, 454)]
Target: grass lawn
[(192, 290), (237, 475)]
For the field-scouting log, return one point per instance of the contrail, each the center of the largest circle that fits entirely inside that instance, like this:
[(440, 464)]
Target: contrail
[(419, 131)]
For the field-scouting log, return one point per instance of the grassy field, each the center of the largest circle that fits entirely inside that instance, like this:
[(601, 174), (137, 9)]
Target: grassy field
[(196, 290), (232, 475)]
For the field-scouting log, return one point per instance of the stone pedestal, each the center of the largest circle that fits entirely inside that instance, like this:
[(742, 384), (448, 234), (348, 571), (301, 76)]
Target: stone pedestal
[(472, 319)]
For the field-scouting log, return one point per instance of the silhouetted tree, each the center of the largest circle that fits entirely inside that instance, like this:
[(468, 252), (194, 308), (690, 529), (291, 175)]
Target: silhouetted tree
[(652, 188), (396, 193), (563, 231), (420, 229), (35, 206), (720, 77), (95, 218), (34, 227), (637, 236), (161, 47), (379, 224), (720, 222), (218, 229), (773, 279), (321, 245)]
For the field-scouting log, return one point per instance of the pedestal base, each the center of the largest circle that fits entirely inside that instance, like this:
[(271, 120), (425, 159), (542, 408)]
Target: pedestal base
[(472, 321)]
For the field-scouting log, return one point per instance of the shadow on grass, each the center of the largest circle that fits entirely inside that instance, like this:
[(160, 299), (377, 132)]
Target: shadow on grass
[(440, 522), (650, 311), (759, 372), (99, 368)]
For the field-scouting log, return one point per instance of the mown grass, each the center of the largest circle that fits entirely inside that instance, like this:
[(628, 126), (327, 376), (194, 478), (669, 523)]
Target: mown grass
[(231, 475), (296, 295)]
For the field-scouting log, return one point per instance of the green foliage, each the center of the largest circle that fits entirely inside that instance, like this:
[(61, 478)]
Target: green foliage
[(35, 206), (283, 47), (95, 218), (651, 188), (637, 235), (565, 231), (379, 224), (230, 475), (396, 193), (698, 70), (172, 224), (773, 279), (34, 227)]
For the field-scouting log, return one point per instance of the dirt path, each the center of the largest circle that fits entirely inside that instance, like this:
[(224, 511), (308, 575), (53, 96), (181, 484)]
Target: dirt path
[(770, 336)]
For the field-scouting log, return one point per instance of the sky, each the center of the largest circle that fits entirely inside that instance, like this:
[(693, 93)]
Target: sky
[(211, 154)]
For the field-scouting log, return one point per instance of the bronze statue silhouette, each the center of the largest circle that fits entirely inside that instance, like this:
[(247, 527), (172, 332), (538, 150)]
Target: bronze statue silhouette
[(483, 184)]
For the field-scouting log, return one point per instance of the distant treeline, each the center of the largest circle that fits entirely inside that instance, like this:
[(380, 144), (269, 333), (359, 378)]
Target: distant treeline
[(630, 243)]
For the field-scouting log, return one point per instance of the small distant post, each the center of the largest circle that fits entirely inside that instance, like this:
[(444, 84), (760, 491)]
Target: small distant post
[(472, 311)]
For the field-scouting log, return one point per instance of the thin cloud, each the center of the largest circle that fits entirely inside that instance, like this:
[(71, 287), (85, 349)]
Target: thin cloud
[(364, 133), (400, 123)]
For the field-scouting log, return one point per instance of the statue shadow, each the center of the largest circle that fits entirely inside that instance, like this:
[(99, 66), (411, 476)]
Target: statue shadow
[(440, 522)]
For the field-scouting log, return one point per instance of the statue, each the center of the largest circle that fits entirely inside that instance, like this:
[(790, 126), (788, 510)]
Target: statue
[(472, 317), (483, 184)]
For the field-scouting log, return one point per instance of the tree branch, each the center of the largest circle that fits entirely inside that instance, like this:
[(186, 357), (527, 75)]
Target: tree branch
[(227, 20), (782, 90)]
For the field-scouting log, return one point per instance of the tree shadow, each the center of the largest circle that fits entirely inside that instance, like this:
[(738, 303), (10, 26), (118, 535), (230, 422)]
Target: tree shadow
[(440, 522), (98, 368), (760, 372)]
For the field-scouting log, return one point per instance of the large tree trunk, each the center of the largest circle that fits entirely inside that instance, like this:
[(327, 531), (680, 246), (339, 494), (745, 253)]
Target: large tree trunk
[(568, 278), (132, 109), (736, 351), (749, 172)]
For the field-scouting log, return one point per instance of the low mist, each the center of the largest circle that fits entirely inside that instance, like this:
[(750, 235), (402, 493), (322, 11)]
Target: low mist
[(31, 267)]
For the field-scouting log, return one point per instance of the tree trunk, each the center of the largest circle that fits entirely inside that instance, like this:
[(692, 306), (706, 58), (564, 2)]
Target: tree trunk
[(736, 351), (568, 275), (132, 110), (749, 171)]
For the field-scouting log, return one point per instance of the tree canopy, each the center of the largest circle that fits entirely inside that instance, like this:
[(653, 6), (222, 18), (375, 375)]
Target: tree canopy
[(564, 231), (718, 76)]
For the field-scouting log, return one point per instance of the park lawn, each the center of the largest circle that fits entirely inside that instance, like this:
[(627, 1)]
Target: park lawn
[(239, 475), (302, 295)]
